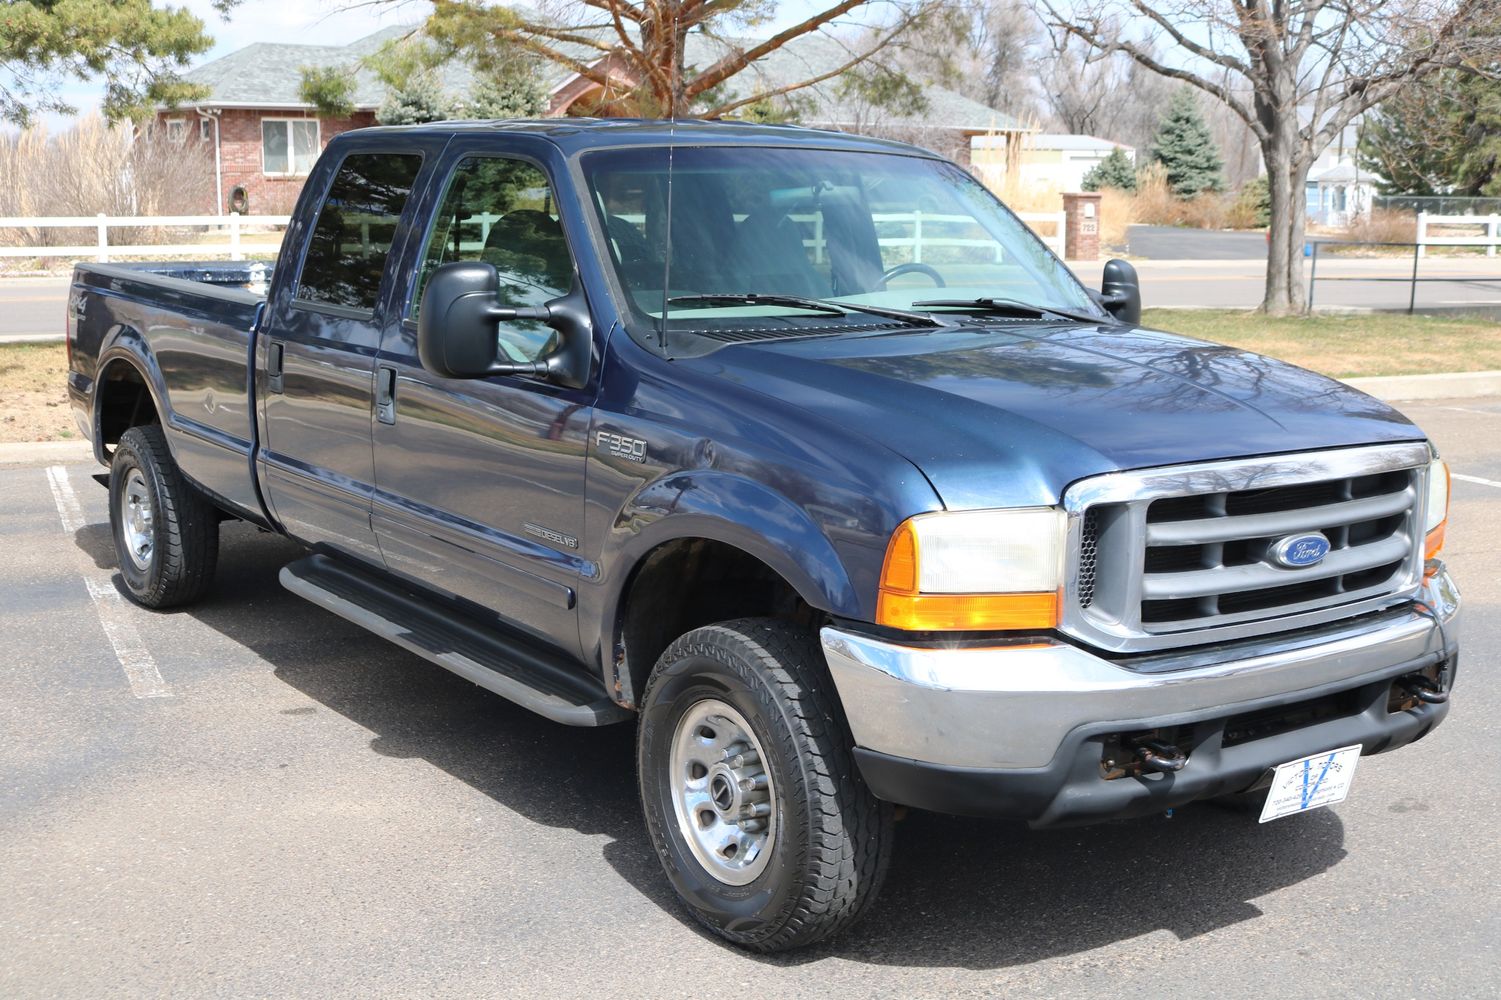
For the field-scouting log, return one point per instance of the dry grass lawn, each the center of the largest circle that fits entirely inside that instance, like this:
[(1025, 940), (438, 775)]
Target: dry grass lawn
[(1348, 345), (33, 393)]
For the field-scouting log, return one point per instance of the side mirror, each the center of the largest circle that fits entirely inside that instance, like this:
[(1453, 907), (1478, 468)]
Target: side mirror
[(457, 328), (1120, 291)]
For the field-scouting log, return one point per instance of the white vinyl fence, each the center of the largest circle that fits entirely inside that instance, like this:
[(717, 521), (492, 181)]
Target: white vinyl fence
[(916, 237), (102, 250), (1489, 235), (1054, 240)]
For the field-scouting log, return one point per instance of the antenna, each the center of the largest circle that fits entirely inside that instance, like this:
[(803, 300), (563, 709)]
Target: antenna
[(667, 240)]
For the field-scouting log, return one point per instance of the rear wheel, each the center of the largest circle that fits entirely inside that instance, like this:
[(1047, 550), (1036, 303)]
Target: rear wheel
[(752, 798), (166, 533)]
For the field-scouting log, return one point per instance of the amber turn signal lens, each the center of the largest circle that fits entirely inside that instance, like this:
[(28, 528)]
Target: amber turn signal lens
[(899, 573), (1434, 543), (966, 612)]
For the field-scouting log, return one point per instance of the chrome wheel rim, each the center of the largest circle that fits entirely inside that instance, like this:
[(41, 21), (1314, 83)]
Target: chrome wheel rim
[(136, 526), (722, 793)]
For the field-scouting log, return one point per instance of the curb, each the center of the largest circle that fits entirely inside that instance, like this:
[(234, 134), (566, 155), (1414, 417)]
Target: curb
[(45, 452), (32, 338), (1445, 385)]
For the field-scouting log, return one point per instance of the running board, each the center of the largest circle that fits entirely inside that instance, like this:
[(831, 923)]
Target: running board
[(546, 684)]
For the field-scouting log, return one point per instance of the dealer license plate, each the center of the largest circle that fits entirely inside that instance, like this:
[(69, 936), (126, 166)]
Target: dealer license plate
[(1320, 780)]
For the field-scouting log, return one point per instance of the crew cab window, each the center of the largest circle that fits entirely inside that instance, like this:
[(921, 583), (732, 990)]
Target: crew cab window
[(356, 225), (502, 212)]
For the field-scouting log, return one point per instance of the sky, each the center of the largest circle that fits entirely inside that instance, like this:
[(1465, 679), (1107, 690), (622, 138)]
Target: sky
[(313, 22)]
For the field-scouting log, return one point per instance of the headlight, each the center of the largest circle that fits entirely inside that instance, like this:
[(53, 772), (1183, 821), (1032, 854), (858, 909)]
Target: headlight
[(974, 570), (1438, 507)]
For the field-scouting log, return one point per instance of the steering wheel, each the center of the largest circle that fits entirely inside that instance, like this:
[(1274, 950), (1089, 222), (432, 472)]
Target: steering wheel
[(914, 268)]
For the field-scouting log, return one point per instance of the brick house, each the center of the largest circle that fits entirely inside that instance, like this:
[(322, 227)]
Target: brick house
[(263, 138)]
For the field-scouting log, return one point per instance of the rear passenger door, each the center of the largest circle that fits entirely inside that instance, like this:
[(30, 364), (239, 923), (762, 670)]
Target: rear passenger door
[(480, 482), (317, 352)]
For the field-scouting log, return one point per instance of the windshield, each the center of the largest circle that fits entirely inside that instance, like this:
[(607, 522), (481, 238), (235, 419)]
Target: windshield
[(689, 226)]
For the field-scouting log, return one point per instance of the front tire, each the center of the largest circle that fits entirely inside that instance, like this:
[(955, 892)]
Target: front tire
[(752, 797), (166, 533)]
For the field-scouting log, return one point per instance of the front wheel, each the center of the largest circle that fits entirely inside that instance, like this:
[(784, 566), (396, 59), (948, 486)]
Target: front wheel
[(752, 798)]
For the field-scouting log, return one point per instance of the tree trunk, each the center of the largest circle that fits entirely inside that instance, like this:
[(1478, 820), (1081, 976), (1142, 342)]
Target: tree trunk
[(1286, 171), (1277, 299), (1298, 233)]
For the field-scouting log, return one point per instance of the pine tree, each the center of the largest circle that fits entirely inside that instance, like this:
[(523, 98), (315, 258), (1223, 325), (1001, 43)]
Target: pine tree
[(515, 95), (421, 99), (1185, 148), (136, 46), (329, 89), (1114, 171), (1441, 135)]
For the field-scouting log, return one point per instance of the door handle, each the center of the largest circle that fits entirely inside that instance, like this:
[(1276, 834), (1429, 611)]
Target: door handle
[(275, 356), (385, 394)]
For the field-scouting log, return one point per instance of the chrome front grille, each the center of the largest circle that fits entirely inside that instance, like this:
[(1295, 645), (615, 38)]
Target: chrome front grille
[(1183, 555)]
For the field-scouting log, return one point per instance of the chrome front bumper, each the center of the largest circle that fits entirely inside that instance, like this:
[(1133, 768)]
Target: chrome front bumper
[(1015, 707)]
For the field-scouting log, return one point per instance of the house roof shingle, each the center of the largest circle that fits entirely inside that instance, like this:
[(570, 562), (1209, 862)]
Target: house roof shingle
[(267, 74)]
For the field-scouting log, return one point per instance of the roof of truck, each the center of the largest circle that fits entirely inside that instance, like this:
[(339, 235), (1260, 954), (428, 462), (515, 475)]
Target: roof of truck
[(574, 134)]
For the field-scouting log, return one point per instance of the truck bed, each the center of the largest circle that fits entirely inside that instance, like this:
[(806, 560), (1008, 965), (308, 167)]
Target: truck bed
[(191, 323)]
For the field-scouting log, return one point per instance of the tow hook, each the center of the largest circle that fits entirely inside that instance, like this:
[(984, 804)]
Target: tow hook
[(1162, 757), (1424, 690)]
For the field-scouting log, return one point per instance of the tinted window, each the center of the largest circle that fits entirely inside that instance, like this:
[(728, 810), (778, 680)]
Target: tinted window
[(502, 212), (347, 253)]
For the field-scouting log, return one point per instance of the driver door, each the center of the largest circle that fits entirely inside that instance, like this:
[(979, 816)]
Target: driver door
[(479, 483)]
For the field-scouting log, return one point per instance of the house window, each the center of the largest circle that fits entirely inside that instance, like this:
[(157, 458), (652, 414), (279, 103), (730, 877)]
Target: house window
[(205, 130), (177, 129), (289, 147)]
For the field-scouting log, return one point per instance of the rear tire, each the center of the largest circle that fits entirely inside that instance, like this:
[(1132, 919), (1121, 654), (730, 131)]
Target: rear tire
[(771, 853), (166, 533)]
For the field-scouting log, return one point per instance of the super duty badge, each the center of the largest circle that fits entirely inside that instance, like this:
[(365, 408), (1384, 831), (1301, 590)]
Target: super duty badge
[(619, 446)]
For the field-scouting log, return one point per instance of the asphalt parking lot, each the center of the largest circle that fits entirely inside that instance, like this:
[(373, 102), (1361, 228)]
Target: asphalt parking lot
[(254, 797)]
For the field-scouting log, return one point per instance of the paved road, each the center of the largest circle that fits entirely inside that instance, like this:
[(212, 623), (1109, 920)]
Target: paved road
[(312, 812), (1240, 284), (32, 306), (1177, 243), (35, 306)]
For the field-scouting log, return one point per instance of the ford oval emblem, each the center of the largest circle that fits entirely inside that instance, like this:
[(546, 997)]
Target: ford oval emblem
[(1298, 551)]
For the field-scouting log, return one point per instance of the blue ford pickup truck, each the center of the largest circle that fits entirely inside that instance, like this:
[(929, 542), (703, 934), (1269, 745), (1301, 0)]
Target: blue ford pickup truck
[(801, 451)]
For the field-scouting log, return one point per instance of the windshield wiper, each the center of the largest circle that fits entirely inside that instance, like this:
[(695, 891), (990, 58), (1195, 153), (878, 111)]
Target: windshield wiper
[(1011, 306), (832, 307)]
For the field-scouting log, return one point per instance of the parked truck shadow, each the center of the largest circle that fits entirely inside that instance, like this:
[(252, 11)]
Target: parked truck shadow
[(961, 893)]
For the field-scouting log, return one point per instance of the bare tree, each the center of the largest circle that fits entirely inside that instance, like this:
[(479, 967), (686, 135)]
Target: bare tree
[(636, 51), (983, 49), (95, 167), (1084, 93), (994, 57), (1295, 71)]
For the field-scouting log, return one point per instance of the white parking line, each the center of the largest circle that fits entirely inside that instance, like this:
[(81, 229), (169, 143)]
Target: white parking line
[(114, 617), (1475, 479)]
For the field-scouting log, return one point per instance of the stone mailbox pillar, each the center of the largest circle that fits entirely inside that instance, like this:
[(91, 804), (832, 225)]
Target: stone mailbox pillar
[(1081, 226)]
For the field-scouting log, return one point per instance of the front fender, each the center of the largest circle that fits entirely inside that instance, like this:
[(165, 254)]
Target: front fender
[(723, 507), (741, 512)]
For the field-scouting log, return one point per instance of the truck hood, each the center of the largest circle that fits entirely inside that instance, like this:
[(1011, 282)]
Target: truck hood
[(1009, 414)]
